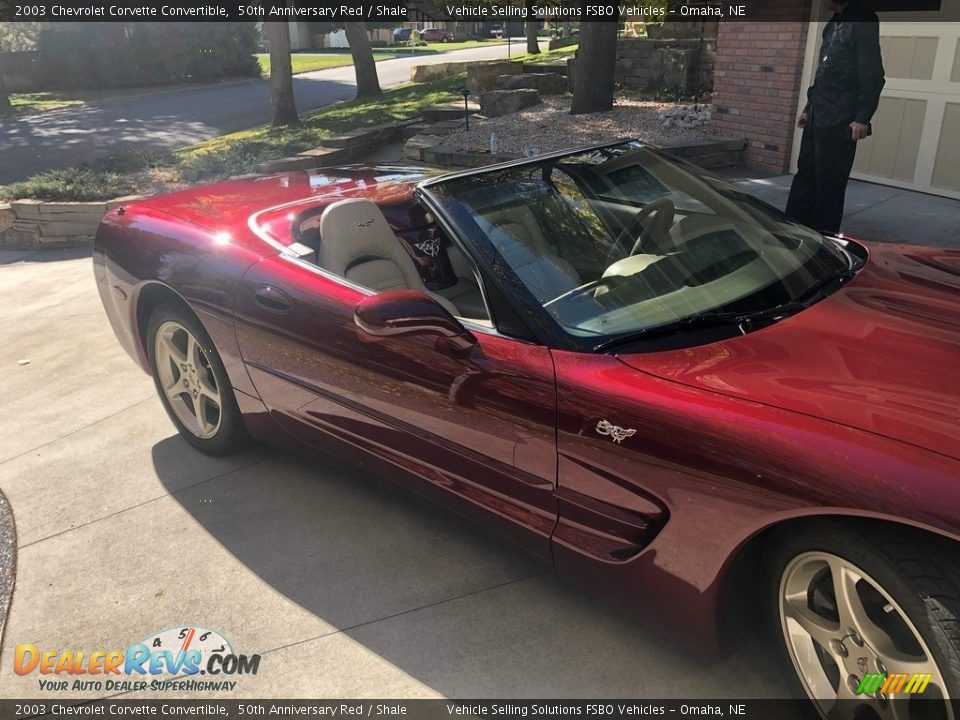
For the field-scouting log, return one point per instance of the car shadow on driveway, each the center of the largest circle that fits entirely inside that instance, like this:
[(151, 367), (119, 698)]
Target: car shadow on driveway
[(448, 605)]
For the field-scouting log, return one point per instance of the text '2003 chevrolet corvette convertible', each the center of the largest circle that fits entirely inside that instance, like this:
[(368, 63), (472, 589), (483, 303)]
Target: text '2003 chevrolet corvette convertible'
[(627, 366)]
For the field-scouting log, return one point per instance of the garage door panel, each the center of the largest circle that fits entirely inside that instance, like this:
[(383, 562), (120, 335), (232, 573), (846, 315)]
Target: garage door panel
[(955, 75), (892, 151), (946, 171), (909, 57), (916, 140)]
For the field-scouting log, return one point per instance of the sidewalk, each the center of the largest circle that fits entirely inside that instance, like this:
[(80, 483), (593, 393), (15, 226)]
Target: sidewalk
[(879, 212)]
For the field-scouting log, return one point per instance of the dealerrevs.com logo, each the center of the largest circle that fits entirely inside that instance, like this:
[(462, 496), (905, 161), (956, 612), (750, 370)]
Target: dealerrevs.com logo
[(177, 659)]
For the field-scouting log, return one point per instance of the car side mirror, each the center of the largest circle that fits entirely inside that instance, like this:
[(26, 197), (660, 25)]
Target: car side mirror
[(410, 312)]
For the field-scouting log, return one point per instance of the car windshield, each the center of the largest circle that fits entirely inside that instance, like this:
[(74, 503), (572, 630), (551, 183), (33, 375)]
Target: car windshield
[(620, 240)]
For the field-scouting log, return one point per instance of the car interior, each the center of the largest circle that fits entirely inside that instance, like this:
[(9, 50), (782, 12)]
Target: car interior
[(606, 242), (630, 239), (353, 239)]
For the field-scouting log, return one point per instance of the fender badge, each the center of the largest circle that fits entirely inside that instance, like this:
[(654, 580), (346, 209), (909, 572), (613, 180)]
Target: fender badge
[(616, 433)]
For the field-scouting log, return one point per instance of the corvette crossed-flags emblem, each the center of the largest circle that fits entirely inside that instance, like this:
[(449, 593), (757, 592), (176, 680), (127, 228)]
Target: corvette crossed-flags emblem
[(616, 433)]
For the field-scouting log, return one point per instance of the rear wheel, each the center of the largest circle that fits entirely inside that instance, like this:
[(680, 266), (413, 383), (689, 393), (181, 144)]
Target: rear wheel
[(868, 623), (192, 382)]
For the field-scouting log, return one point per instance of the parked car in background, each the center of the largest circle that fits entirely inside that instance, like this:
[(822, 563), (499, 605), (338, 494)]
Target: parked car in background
[(636, 371), (496, 31), (437, 35)]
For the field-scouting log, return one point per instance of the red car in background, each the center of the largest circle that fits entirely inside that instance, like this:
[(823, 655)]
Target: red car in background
[(432, 35), (660, 384)]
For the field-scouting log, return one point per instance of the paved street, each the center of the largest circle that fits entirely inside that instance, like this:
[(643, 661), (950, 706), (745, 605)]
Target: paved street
[(346, 585), (176, 118)]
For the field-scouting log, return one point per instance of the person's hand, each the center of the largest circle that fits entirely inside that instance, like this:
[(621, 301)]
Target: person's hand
[(858, 130), (802, 120)]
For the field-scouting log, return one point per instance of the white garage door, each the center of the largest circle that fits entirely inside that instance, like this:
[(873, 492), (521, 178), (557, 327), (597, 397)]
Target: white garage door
[(916, 141)]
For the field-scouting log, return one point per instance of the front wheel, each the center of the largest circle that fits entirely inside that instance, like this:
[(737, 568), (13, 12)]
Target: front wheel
[(192, 382), (868, 623)]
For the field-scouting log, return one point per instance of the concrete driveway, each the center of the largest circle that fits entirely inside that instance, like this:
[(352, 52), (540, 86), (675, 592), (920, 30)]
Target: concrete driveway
[(176, 118), (347, 586)]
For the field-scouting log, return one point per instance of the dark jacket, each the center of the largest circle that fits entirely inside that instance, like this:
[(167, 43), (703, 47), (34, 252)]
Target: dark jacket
[(850, 72)]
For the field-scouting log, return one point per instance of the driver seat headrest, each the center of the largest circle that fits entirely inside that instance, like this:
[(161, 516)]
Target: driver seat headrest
[(358, 244)]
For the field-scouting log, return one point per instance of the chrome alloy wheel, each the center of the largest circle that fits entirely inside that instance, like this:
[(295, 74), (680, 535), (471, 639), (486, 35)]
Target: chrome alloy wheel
[(187, 379), (840, 625)]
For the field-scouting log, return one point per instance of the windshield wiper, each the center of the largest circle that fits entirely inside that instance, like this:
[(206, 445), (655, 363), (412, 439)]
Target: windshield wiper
[(742, 320), (815, 291)]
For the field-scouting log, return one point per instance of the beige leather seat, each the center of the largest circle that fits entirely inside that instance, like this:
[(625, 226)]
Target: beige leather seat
[(465, 293), (516, 234), (358, 244)]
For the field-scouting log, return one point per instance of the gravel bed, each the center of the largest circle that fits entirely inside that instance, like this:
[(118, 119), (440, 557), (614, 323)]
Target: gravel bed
[(549, 127), (8, 559)]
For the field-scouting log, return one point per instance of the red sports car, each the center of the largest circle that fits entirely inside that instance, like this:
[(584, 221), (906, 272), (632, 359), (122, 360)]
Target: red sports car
[(629, 367)]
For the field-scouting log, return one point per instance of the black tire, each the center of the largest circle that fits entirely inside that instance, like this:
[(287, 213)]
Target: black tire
[(231, 434), (919, 573)]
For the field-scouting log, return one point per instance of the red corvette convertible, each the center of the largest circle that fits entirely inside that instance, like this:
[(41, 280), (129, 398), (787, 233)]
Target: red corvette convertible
[(627, 366)]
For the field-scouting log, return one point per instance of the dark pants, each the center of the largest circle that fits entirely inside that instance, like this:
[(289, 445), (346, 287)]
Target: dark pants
[(823, 169)]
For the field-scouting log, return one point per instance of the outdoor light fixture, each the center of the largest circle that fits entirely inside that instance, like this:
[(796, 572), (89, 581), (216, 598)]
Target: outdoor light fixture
[(466, 108)]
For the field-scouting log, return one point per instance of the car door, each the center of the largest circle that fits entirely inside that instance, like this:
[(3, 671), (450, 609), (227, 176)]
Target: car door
[(479, 423)]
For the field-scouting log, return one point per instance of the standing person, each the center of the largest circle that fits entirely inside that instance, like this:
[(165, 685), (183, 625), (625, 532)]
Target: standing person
[(840, 105)]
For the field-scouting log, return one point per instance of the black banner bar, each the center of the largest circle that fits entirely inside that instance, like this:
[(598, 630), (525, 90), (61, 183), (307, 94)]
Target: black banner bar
[(435, 709), (398, 11)]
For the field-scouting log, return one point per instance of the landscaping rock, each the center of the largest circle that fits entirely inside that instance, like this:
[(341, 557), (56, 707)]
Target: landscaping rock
[(453, 156), (125, 200), (6, 217), (436, 71), (685, 116), (450, 112), (544, 83), (26, 208), (504, 102), (414, 147), (555, 66), (17, 238), (353, 138), (67, 230), (325, 156), (482, 76), (287, 164)]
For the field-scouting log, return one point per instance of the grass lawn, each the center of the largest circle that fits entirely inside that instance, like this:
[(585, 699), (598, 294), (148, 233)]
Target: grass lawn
[(308, 62), (29, 103), (233, 154)]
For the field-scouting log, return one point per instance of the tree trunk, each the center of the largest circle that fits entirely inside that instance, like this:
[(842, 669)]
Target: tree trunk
[(593, 69), (5, 107), (533, 47), (365, 67), (281, 75)]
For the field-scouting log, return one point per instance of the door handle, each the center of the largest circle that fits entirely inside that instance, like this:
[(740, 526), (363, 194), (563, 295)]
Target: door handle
[(272, 299)]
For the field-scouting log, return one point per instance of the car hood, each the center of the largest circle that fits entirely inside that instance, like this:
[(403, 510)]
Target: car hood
[(882, 354)]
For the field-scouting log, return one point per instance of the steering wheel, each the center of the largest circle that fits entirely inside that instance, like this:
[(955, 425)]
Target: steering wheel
[(638, 232)]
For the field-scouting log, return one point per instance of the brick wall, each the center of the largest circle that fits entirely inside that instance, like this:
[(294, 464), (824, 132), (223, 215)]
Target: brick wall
[(757, 87)]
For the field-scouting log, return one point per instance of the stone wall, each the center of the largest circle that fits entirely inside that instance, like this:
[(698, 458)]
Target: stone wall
[(648, 64), (436, 71), (757, 86), (34, 224)]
